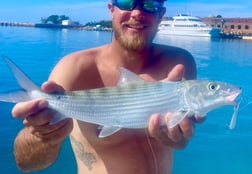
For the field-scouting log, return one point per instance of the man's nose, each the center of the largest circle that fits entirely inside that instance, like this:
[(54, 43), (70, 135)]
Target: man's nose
[(137, 12)]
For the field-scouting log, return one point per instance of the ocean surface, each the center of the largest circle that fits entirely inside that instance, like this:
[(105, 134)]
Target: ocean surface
[(213, 150)]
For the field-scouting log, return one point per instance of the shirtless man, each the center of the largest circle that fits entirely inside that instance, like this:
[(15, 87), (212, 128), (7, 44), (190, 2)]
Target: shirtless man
[(129, 151)]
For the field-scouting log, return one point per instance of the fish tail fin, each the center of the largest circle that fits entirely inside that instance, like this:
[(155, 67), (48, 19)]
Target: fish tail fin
[(14, 97), (23, 80)]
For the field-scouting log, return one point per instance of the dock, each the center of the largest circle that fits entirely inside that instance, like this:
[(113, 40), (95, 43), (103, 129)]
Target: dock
[(20, 24)]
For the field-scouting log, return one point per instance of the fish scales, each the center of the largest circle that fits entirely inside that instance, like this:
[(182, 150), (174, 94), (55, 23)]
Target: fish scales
[(135, 104)]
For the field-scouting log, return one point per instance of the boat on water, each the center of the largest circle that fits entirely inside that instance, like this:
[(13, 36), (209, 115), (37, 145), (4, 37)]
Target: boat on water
[(187, 25)]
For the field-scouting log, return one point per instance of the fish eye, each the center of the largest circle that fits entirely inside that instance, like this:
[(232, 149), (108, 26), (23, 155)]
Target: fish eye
[(213, 86)]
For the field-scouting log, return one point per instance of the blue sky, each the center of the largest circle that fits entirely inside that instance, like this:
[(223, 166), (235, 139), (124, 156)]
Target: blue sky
[(96, 10)]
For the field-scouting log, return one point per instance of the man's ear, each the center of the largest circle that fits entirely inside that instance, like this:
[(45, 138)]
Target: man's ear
[(161, 13), (110, 7)]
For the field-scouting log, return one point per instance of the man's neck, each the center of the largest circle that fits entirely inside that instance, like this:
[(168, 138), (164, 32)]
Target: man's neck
[(135, 60)]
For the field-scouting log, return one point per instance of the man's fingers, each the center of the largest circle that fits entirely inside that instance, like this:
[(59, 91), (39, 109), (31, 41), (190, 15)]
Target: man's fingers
[(154, 125), (41, 118), (177, 73), (24, 109), (51, 86)]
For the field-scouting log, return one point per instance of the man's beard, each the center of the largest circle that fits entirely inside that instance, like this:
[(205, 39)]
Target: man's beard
[(135, 42)]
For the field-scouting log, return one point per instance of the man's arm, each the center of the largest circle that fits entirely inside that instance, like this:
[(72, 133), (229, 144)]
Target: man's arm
[(38, 144), (32, 154)]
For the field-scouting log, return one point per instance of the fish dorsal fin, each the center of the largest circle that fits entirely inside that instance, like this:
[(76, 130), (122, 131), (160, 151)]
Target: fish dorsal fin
[(128, 77), (23, 80)]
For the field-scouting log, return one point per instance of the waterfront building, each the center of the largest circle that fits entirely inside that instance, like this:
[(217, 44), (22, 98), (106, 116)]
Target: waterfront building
[(237, 26)]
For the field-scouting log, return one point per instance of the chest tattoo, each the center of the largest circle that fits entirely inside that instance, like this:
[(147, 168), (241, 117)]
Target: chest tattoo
[(87, 158)]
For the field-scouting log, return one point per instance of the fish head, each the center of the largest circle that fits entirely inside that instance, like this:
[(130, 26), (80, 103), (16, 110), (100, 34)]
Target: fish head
[(203, 95)]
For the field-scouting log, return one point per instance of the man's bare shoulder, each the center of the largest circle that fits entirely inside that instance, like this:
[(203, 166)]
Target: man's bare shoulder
[(86, 56), (170, 56), (171, 51), (76, 68)]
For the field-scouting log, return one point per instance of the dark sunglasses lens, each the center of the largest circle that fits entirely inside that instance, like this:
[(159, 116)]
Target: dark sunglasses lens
[(152, 5), (126, 4)]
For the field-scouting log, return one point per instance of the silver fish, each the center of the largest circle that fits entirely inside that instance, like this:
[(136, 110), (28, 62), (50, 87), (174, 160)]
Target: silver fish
[(130, 104)]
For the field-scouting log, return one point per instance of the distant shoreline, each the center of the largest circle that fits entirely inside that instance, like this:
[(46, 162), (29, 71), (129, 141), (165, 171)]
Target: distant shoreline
[(81, 27), (93, 28), (53, 26)]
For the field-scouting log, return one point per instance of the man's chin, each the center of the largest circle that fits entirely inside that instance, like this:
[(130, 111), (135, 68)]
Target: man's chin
[(134, 44)]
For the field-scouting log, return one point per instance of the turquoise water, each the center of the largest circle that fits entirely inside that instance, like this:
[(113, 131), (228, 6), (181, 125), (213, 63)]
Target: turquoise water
[(213, 149)]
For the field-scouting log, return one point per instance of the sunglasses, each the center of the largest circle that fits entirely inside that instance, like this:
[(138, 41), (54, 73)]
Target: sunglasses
[(150, 6)]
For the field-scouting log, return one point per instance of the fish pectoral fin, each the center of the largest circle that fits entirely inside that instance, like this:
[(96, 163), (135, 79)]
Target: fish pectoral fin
[(176, 118), (57, 118), (108, 130)]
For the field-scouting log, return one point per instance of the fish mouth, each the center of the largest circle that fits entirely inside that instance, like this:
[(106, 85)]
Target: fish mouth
[(234, 98)]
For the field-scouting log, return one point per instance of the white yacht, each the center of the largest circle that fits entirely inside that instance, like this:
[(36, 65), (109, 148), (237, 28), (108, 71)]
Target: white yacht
[(186, 25)]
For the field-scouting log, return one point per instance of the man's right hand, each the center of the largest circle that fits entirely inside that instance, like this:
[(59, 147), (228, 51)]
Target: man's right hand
[(37, 117)]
